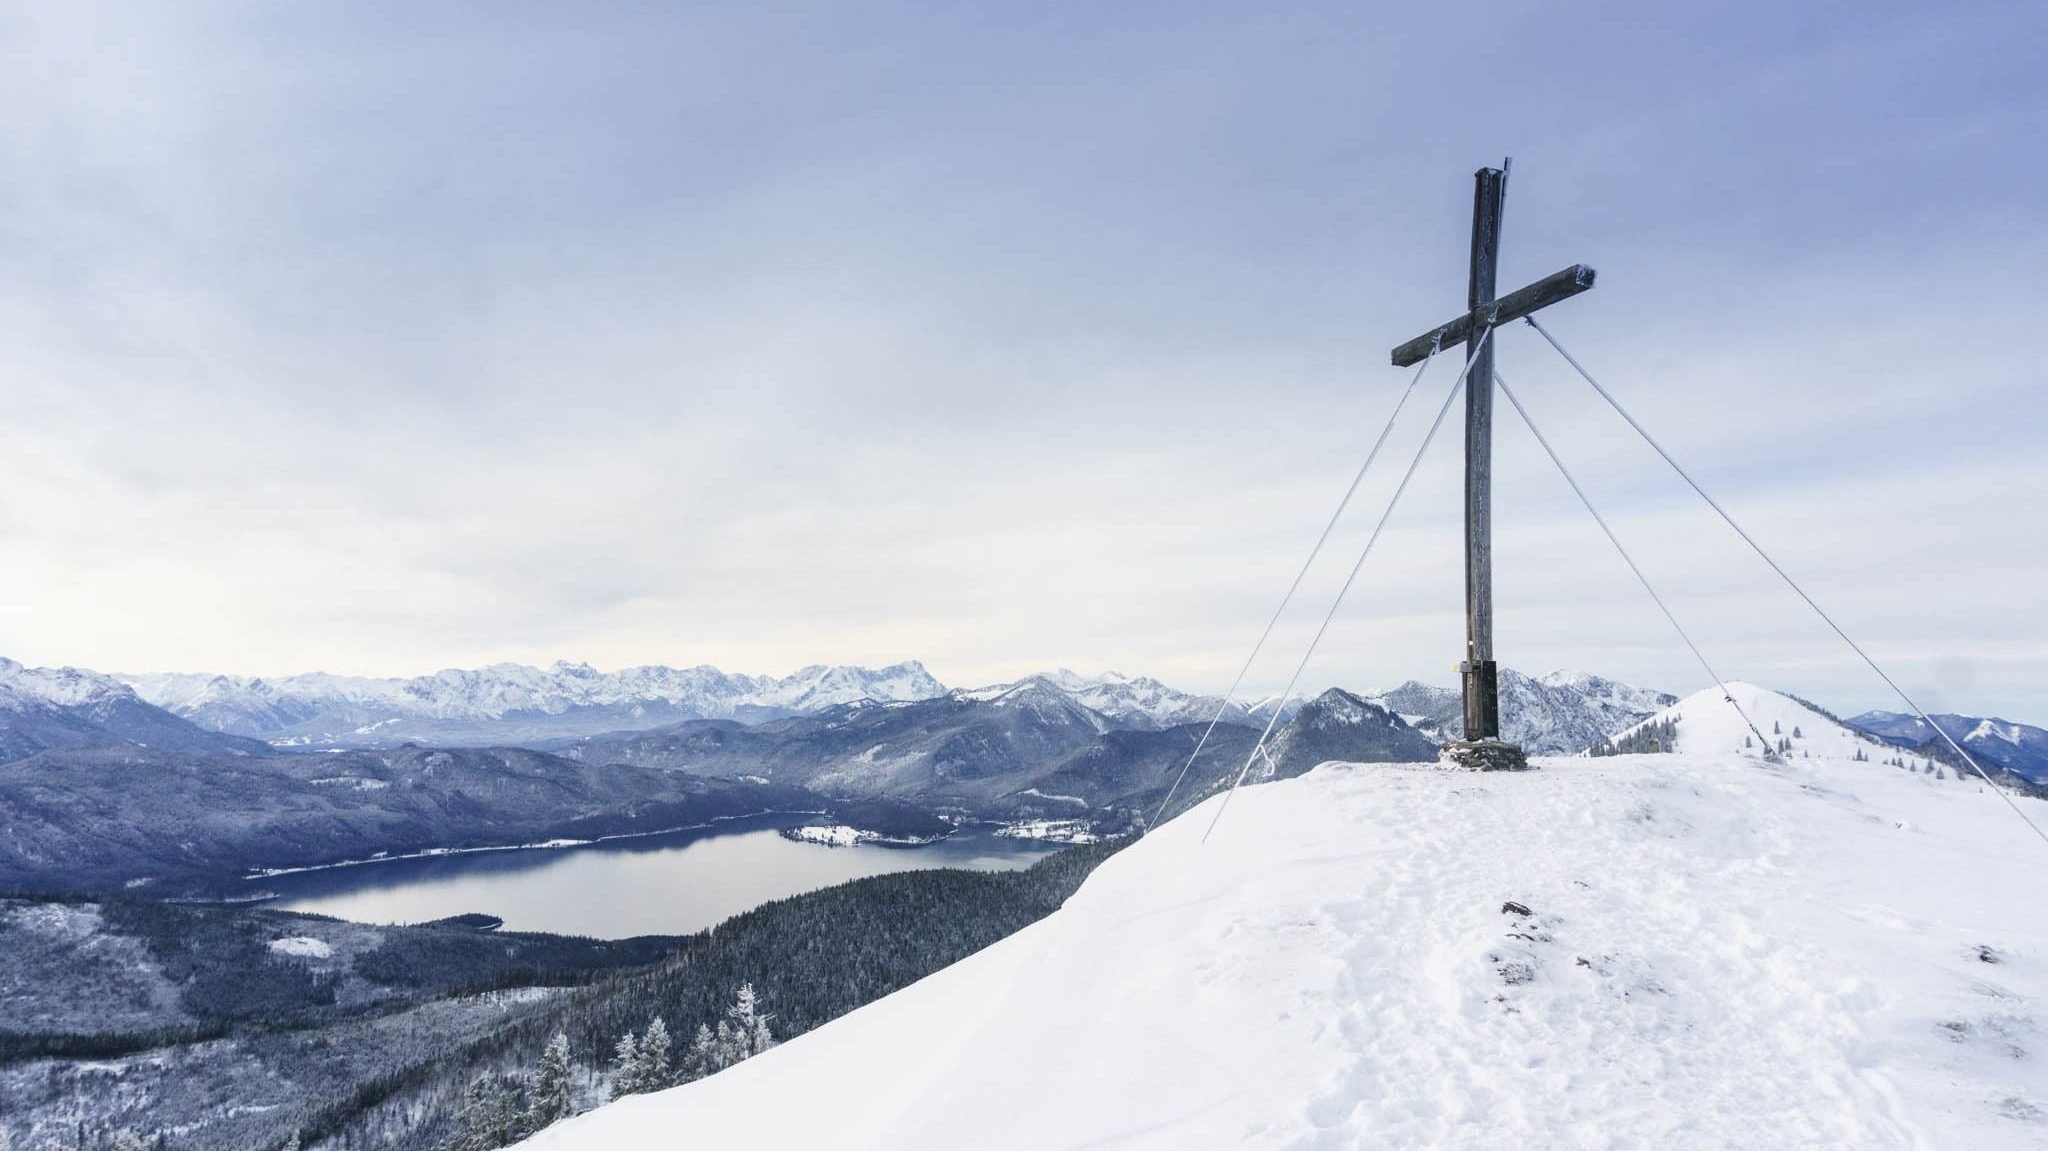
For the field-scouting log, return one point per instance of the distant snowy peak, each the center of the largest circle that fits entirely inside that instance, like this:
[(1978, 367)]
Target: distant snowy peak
[(817, 687), (452, 703), (1129, 701), (1559, 714), (45, 708)]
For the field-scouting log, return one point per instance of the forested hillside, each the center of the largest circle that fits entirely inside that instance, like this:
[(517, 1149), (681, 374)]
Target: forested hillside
[(227, 1029)]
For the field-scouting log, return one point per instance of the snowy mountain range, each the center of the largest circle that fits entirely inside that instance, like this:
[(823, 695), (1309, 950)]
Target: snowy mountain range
[(520, 705), (1687, 949), (509, 703)]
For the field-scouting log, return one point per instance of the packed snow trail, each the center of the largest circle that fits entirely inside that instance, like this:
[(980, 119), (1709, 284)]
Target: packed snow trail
[(1695, 950)]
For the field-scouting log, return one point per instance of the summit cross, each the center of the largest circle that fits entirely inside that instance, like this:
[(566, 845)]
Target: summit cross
[(1484, 312)]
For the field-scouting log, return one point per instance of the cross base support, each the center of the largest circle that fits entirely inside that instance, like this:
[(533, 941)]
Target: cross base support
[(1483, 755)]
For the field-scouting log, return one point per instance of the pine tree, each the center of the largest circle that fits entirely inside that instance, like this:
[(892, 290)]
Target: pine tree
[(750, 1027), (1775, 729), (701, 1059), (291, 1144), (487, 1119), (550, 1099), (626, 1056), (1796, 733), (653, 1065)]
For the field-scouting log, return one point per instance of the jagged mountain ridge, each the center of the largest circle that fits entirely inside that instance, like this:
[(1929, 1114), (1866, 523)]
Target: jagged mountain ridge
[(1131, 701), (1559, 714), (508, 702)]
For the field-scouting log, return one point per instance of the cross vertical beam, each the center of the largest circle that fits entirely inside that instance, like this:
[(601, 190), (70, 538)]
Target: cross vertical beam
[(1485, 312), (1482, 681)]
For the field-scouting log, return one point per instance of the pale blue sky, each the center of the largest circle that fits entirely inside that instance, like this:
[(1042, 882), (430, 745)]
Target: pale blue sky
[(381, 338)]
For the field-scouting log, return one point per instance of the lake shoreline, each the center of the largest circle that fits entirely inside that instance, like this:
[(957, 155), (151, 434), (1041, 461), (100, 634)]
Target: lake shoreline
[(255, 874)]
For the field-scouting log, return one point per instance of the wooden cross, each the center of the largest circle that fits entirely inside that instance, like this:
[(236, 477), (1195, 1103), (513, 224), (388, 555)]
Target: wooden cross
[(1485, 312)]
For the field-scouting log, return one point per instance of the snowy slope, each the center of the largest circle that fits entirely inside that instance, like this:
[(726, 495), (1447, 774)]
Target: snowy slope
[(1716, 953)]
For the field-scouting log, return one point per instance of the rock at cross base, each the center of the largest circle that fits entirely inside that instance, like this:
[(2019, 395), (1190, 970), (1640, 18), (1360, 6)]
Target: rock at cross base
[(1483, 755)]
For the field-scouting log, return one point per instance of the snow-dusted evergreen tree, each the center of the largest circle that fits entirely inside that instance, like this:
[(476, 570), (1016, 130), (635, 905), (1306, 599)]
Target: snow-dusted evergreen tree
[(654, 1048), (291, 1144), (488, 1119), (126, 1139), (702, 1057), (550, 1098), (726, 1048), (626, 1057), (749, 1025)]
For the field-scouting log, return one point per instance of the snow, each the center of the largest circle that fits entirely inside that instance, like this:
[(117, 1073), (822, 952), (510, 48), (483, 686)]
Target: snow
[(840, 835), (1717, 952), (835, 835), (302, 947)]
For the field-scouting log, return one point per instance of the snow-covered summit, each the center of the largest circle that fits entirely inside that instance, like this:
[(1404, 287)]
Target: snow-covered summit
[(1130, 701), (1681, 950), (1706, 723)]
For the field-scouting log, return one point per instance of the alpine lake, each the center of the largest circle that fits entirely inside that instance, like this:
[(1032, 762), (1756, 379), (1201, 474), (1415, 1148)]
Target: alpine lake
[(669, 883)]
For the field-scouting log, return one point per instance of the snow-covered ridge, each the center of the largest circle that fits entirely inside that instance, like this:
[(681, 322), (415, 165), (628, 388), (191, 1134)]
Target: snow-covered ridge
[(1684, 950), (22, 687)]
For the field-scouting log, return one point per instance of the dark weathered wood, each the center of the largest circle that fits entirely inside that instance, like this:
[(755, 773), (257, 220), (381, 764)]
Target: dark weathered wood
[(1509, 308), (1482, 710), (1485, 313)]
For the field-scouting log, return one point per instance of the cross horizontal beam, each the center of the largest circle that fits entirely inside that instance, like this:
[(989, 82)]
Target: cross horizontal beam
[(1513, 306)]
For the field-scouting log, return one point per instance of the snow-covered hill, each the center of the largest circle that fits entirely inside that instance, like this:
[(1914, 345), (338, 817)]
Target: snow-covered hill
[(1686, 950), (508, 702)]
